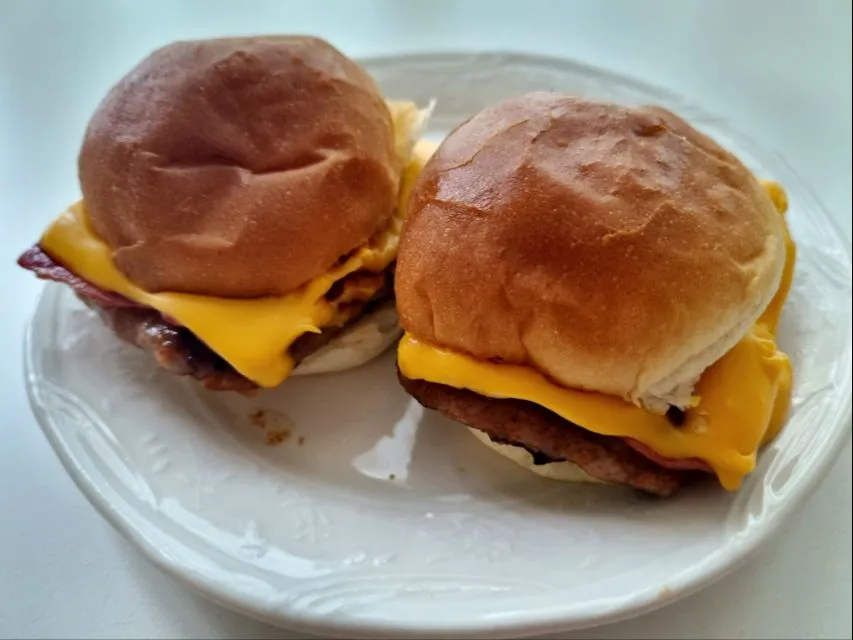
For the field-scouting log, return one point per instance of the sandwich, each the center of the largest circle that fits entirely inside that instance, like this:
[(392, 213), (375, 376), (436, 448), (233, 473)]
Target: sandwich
[(594, 290), (241, 210)]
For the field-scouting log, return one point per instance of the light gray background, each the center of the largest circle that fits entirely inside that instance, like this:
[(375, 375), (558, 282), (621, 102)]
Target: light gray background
[(780, 70)]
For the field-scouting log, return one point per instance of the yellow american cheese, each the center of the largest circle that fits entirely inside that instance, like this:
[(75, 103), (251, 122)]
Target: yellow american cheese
[(253, 335), (743, 397)]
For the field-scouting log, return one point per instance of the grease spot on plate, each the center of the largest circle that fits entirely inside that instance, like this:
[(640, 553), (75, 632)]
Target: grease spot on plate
[(278, 426)]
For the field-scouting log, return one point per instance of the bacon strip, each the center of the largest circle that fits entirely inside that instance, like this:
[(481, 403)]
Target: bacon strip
[(39, 262), (680, 464)]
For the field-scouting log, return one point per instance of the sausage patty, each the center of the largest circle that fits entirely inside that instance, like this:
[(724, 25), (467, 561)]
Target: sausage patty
[(176, 348), (549, 437)]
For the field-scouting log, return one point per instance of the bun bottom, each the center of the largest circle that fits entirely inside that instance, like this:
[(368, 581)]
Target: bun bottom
[(562, 471), (367, 338)]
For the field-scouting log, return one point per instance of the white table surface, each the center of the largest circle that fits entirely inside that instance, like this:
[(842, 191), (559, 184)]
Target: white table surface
[(779, 69)]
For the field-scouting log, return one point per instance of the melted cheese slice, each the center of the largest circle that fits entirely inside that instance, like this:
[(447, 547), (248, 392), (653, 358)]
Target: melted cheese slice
[(253, 335), (743, 397)]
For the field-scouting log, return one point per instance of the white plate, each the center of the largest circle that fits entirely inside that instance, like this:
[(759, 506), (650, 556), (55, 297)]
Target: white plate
[(389, 521)]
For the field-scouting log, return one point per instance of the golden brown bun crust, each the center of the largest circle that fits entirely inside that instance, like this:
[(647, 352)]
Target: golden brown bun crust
[(614, 249), (239, 167)]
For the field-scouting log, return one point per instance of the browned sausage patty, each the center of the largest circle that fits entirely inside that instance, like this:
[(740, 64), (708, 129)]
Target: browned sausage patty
[(176, 348), (549, 437)]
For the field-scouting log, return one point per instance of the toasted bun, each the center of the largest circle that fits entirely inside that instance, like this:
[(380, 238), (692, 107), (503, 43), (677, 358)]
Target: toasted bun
[(367, 338), (239, 167), (613, 249), (563, 471)]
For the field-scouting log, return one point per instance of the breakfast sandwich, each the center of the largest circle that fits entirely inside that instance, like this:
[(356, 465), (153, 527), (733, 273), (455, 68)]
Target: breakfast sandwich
[(241, 210), (594, 290)]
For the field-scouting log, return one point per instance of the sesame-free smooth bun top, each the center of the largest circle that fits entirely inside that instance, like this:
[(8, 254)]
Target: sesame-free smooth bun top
[(613, 249), (239, 167)]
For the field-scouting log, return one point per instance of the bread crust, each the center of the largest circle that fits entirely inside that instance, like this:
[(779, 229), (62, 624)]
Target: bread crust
[(239, 167), (613, 249)]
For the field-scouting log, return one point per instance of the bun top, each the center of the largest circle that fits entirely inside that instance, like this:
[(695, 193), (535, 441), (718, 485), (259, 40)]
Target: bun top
[(614, 249), (239, 167)]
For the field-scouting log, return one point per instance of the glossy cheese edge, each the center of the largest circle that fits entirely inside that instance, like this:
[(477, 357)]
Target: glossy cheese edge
[(743, 397)]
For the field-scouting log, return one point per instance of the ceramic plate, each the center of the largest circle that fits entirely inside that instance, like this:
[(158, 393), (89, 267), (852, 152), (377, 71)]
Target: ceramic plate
[(336, 505)]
